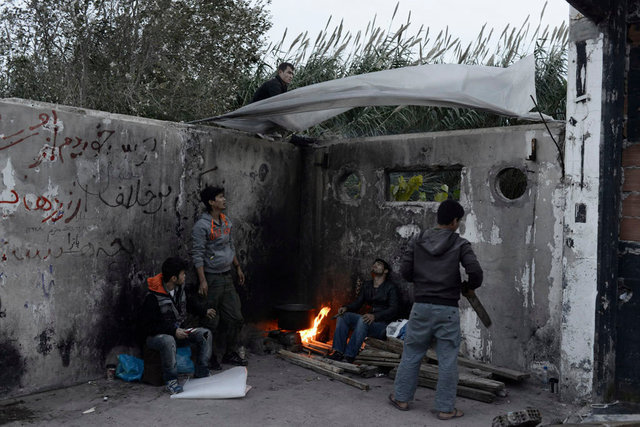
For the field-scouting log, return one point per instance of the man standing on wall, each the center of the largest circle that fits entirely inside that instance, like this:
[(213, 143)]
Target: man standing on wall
[(213, 255), (381, 294), (276, 85), (163, 312), (432, 263)]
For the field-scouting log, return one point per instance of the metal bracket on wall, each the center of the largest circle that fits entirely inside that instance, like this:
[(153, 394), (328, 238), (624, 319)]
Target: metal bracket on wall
[(584, 98), (532, 153), (324, 163)]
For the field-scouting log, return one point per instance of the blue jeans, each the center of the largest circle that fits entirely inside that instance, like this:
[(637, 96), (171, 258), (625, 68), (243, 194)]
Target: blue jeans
[(428, 321), (166, 346), (353, 321)]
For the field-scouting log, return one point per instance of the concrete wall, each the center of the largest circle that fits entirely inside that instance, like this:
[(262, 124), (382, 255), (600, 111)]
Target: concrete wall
[(91, 205), (583, 184), (518, 242)]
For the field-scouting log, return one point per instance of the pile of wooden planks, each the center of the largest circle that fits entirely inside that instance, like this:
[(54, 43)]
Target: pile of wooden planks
[(474, 384), (476, 380), (333, 370)]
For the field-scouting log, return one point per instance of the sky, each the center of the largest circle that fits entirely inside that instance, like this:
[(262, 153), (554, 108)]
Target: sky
[(464, 18)]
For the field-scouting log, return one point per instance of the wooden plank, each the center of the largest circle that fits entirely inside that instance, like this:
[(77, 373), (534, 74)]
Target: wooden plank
[(320, 370), (462, 391), (315, 350), (320, 344), (464, 379), (347, 367), (381, 363), (384, 345), (311, 361), (379, 353), (376, 359), (319, 350), (369, 371), (497, 371)]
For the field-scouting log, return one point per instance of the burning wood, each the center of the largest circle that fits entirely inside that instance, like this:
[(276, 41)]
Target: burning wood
[(309, 334)]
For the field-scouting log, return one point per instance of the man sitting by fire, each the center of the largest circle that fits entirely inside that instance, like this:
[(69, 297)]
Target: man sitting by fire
[(381, 295)]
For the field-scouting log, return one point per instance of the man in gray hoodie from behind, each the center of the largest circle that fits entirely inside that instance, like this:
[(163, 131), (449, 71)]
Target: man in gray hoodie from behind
[(432, 263)]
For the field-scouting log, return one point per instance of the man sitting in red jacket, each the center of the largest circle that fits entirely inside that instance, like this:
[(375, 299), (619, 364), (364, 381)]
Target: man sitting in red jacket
[(163, 312)]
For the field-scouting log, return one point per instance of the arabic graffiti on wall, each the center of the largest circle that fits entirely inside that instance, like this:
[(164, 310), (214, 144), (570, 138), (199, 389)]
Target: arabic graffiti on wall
[(54, 179), (120, 188), (58, 147)]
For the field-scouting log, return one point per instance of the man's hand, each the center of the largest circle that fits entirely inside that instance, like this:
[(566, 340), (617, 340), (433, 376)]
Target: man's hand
[(342, 310), (181, 334), (368, 318), (240, 275), (211, 313), (204, 287), (466, 290)]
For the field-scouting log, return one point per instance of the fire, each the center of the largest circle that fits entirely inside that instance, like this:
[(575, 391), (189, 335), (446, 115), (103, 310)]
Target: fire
[(309, 334)]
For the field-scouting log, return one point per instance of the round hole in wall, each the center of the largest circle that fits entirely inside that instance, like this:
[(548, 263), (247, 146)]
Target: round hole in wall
[(350, 186), (511, 183)]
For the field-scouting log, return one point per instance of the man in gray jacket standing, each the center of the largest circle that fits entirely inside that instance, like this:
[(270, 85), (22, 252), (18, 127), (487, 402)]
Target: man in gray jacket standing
[(214, 255), (432, 263)]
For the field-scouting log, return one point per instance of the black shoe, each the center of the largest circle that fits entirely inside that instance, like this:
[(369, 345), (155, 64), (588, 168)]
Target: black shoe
[(336, 355), (214, 365), (201, 372), (349, 359), (234, 359)]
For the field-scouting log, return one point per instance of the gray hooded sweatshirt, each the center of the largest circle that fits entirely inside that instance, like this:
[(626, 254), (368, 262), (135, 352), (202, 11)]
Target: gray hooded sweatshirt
[(433, 262), (212, 244)]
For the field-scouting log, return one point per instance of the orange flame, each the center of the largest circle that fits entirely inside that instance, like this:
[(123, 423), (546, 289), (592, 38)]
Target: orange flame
[(309, 334)]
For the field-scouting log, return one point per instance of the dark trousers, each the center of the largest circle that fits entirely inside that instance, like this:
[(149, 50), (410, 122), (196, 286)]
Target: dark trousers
[(223, 298)]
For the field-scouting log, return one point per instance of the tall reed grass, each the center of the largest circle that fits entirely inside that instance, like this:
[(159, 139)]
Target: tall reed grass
[(336, 52)]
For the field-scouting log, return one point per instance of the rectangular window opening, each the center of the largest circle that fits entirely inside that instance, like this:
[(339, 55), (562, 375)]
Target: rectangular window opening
[(424, 185)]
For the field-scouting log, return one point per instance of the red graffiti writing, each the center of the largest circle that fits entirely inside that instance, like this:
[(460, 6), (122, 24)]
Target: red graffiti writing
[(59, 147), (54, 208), (76, 147), (12, 139)]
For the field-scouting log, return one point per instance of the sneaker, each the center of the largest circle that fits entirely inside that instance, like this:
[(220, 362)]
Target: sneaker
[(349, 359), (336, 355), (234, 359), (173, 387), (214, 365)]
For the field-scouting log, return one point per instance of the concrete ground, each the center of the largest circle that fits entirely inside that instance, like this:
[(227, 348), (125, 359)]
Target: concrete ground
[(281, 394)]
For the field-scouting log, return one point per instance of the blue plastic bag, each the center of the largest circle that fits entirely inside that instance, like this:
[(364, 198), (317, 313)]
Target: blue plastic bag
[(129, 368), (183, 360)]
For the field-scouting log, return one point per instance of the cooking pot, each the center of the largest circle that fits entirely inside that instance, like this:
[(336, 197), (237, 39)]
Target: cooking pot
[(295, 317)]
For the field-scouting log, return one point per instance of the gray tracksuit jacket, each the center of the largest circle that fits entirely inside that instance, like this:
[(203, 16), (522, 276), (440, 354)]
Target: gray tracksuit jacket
[(212, 244), (433, 262)]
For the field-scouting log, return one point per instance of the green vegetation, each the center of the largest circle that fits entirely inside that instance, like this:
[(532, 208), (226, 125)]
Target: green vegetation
[(182, 60), (336, 53), (435, 185), (165, 59)]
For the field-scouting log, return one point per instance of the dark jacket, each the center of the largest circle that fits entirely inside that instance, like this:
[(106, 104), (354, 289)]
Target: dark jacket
[(270, 88), (383, 300), (433, 262), (163, 314)]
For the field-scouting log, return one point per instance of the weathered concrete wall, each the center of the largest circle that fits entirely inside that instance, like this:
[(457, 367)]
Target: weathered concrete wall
[(518, 242), (91, 205), (582, 161)]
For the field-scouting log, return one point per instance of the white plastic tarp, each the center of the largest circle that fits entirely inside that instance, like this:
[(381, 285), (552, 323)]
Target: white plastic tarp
[(228, 384), (505, 91)]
